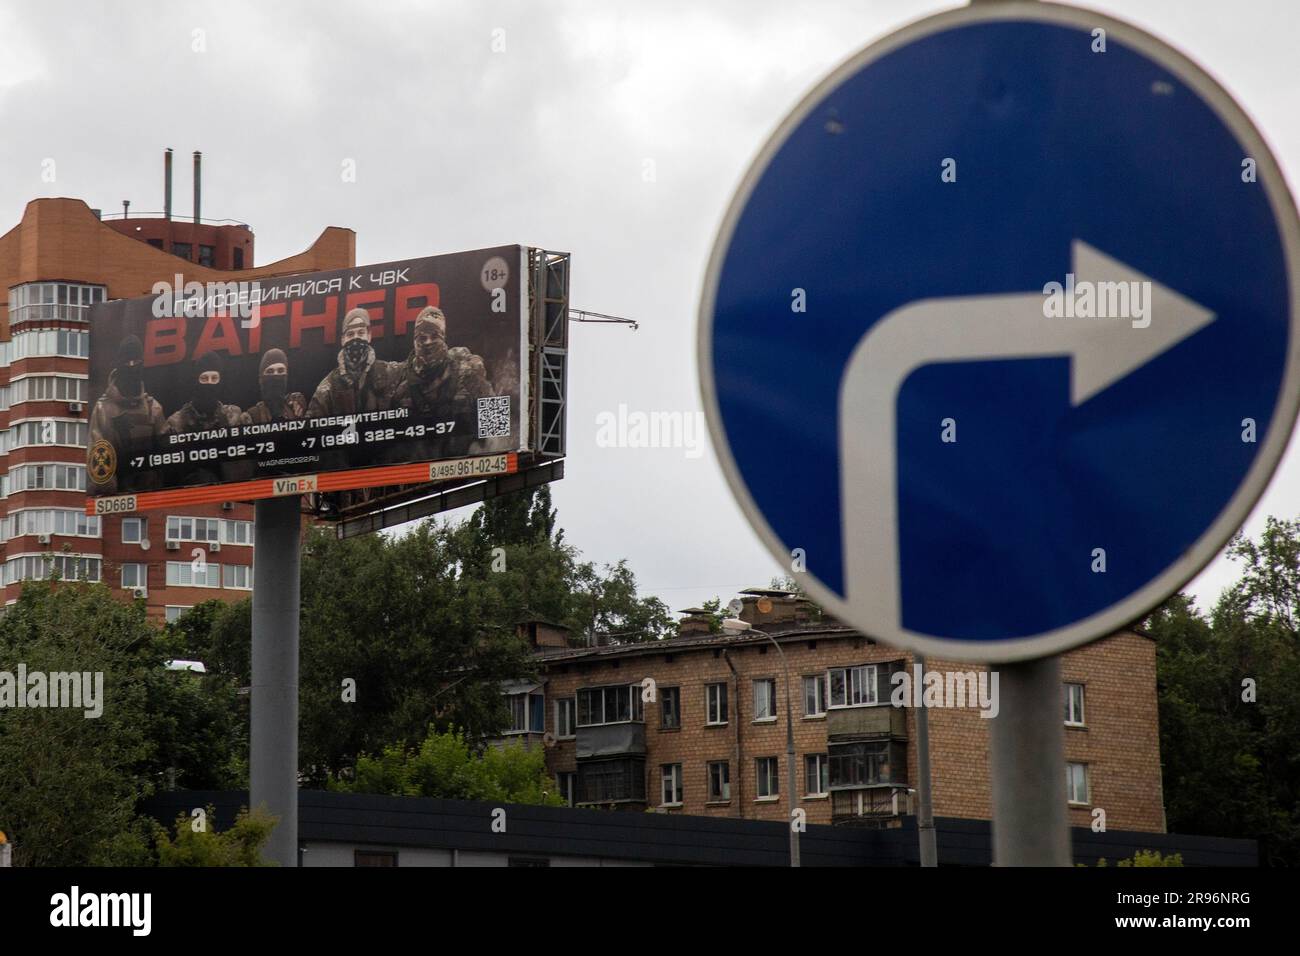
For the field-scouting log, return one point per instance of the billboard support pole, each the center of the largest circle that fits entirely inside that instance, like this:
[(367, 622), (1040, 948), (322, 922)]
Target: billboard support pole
[(1028, 756), (273, 730)]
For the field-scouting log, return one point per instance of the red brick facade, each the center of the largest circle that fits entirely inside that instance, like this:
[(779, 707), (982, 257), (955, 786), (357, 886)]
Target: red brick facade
[(1118, 742)]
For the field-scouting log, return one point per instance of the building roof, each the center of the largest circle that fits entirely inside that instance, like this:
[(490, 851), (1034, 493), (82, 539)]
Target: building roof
[(793, 632)]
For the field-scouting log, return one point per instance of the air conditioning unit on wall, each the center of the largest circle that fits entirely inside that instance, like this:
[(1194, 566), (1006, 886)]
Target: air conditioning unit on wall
[(74, 408), (173, 545), (42, 539), (140, 592), (214, 546)]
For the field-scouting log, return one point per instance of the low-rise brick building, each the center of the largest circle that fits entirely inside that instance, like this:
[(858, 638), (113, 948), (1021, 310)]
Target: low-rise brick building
[(712, 741)]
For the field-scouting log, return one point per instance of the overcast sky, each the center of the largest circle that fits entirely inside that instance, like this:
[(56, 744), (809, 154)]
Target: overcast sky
[(616, 131)]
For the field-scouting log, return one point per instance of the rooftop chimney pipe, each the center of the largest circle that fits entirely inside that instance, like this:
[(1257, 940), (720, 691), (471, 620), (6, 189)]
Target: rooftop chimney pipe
[(167, 184), (198, 179)]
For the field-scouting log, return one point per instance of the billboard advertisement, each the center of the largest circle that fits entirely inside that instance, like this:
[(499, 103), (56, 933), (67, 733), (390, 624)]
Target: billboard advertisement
[(410, 371)]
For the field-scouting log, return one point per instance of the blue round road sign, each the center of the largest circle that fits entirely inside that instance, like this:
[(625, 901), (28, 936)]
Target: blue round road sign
[(998, 341)]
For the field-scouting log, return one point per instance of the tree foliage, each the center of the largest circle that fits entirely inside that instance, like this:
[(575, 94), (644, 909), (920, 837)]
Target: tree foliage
[(71, 782), (450, 766), (241, 845), (1229, 699)]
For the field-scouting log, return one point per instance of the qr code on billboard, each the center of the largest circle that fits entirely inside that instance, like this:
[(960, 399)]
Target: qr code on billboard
[(494, 417)]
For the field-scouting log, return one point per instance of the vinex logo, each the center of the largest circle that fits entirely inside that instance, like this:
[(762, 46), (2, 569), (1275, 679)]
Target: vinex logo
[(295, 486)]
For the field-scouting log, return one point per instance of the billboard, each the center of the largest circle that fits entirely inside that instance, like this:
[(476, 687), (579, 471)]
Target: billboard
[(410, 371)]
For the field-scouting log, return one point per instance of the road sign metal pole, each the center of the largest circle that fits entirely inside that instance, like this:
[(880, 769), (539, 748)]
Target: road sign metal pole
[(1028, 763), (790, 768), (273, 732), (925, 808)]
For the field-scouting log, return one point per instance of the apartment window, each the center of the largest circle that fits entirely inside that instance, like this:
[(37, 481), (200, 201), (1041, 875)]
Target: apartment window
[(1074, 705), (65, 521), (49, 431), (374, 858), (852, 686), (672, 785), (207, 255), (814, 695), (173, 611), (135, 575), (187, 574), (1076, 782), (609, 705), (765, 699), (68, 343), (48, 388), (180, 528), (817, 774), (671, 698), (861, 764), (567, 784), (182, 249), (719, 781), (238, 577), (239, 257), (52, 477), (716, 697), (527, 713), (133, 530), (38, 567), (565, 717), (767, 785), (612, 781), (236, 532), (45, 301)]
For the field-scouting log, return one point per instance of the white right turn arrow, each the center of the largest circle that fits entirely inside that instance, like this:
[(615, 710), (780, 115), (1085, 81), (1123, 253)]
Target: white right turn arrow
[(965, 329)]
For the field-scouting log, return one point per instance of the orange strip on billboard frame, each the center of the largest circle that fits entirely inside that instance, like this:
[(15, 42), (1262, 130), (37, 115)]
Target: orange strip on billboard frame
[(351, 480)]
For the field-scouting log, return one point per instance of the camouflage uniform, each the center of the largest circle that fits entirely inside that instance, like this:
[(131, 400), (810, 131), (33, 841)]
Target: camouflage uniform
[(190, 419), (131, 426), (295, 407), (337, 394), (441, 392)]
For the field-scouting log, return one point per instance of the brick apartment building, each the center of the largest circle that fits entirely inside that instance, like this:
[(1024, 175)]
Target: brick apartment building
[(714, 740), (62, 257)]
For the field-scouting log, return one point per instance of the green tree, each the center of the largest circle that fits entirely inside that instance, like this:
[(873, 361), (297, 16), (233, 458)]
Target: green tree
[(71, 782), (447, 765), (241, 845), (1229, 702)]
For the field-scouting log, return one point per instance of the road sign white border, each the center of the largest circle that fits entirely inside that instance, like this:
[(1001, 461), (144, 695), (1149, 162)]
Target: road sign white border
[(1212, 541)]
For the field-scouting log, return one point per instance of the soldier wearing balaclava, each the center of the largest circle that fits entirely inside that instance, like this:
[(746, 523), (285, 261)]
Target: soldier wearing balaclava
[(278, 403), (205, 410), (437, 379), (123, 426)]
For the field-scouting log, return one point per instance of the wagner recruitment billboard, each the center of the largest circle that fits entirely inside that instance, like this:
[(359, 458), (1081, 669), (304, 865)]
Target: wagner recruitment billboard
[(343, 379)]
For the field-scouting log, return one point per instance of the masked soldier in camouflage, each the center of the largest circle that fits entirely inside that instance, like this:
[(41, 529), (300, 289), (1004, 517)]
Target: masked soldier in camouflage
[(434, 376), (205, 410), (276, 405), (126, 423), (360, 382), (440, 384)]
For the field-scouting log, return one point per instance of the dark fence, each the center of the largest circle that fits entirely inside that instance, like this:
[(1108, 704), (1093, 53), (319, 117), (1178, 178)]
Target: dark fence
[(366, 819)]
